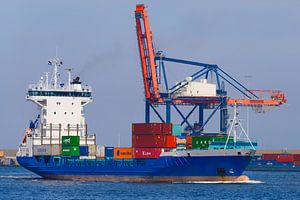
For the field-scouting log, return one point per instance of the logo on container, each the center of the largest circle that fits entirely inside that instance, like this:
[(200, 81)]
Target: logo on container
[(146, 153), (67, 141)]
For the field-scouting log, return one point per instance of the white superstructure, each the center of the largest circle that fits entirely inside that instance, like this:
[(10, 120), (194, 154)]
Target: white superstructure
[(61, 109)]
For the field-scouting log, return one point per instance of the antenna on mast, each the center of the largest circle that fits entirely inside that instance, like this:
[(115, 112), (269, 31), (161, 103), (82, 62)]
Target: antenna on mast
[(69, 70), (57, 62)]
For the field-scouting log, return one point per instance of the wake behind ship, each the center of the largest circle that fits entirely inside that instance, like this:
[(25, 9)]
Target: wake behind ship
[(57, 145)]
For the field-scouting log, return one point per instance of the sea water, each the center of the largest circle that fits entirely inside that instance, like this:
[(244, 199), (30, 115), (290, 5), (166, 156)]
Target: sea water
[(18, 183)]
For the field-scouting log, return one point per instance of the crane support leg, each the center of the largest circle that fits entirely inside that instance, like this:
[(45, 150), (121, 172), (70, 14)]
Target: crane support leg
[(223, 116), (201, 115), (168, 112), (147, 112)]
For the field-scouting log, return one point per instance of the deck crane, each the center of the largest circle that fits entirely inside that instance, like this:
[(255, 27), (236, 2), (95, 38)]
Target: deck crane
[(153, 70)]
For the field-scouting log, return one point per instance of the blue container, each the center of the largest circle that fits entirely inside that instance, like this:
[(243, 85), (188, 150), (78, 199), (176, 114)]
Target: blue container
[(109, 152), (176, 130), (84, 150)]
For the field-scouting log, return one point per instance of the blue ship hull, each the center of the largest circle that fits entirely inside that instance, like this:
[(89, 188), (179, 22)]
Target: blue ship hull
[(163, 169)]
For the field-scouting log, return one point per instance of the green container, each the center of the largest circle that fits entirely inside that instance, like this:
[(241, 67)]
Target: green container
[(176, 130), (223, 139), (70, 140), (201, 142), (70, 151)]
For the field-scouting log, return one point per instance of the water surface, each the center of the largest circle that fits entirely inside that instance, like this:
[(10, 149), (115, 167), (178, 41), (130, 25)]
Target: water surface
[(18, 183)]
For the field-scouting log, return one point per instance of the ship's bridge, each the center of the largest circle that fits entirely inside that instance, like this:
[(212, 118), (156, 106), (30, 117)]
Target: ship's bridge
[(63, 91)]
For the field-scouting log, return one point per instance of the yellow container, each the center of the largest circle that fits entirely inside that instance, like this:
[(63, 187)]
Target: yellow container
[(2, 154), (122, 153)]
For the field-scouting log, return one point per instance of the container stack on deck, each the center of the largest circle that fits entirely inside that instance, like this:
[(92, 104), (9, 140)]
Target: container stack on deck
[(148, 139), (70, 146)]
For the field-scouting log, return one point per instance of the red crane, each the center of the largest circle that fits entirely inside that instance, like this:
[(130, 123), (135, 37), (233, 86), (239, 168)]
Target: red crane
[(144, 37)]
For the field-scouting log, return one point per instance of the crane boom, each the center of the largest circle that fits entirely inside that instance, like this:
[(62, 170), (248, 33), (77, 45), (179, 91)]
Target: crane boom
[(146, 51), (276, 98)]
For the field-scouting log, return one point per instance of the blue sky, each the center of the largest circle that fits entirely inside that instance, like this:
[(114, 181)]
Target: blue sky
[(97, 39)]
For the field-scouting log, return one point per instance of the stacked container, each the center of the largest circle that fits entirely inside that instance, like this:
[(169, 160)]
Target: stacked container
[(176, 130), (148, 139), (70, 146), (153, 135), (109, 152), (100, 151), (122, 153), (203, 142), (46, 150)]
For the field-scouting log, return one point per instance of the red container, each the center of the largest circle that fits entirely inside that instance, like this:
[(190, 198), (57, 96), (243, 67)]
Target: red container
[(152, 129), (285, 158), (153, 141), (296, 157), (171, 142), (147, 152), (270, 156), (167, 128), (189, 142)]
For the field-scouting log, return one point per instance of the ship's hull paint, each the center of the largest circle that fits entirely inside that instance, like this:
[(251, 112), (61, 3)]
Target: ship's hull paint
[(163, 169)]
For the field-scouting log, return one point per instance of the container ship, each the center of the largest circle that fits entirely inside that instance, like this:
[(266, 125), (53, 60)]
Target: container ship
[(58, 145), (283, 161)]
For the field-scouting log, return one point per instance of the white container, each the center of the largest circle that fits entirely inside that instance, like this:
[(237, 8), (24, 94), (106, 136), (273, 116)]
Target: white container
[(46, 150), (100, 151), (92, 150)]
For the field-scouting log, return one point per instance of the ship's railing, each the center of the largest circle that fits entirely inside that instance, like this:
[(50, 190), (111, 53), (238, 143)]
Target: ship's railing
[(45, 140), (52, 134), (44, 87)]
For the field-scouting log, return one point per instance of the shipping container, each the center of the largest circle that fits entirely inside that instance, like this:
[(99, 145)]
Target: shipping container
[(147, 152), (154, 141), (46, 150), (70, 151), (181, 141), (167, 128), (189, 142), (296, 157), (84, 150), (92, 150), (176, 130), (2, 154), (92, 157), (70, 140), (109, 152), (270, 156), (100, 152), (285, 158), (152, 129), (223, 139), (180, 148), (171, 141), (122, 153), (201, 142)]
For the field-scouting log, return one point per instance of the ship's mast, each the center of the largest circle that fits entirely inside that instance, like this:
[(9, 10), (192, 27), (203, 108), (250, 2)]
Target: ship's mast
[(69, 70), (57, 62)]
